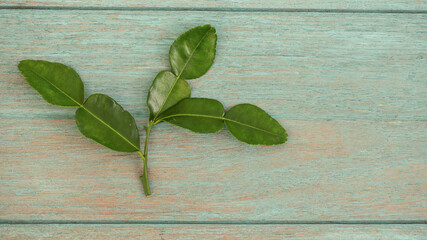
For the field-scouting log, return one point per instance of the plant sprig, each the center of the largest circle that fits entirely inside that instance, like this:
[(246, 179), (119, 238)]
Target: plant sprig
[(103, 120)]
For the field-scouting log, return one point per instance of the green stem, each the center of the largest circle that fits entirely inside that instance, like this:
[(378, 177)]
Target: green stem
[(144, 176)]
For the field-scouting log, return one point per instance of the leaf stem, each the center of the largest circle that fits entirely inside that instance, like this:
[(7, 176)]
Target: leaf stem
[(144, 176)]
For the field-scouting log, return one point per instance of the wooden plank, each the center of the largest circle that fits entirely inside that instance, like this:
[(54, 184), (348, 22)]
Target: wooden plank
[(200, 231), (329, 170), (303, 66), (350, 89), (227, 4)]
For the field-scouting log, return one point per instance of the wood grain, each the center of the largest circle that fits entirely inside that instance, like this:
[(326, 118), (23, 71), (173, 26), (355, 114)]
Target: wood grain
[(111, 231), (329, 170), (239, 4), (304, 66), (349, 88)]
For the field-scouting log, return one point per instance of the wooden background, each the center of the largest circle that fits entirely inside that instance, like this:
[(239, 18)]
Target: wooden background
[(347, 79)]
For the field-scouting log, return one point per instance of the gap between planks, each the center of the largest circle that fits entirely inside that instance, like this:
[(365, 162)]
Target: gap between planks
[(229, 222), (184, 9)]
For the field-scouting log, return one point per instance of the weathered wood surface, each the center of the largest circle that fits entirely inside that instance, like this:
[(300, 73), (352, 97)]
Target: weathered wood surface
[(349, 88), (305, 66), (328, 170), (200, 231), (227, 4)]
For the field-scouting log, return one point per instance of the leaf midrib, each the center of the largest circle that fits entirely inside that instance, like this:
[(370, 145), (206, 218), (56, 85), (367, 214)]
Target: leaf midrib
[(179, 75), (221, 118), (87, 110)]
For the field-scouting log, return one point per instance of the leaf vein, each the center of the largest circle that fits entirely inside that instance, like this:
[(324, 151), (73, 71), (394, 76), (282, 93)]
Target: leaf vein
[(179, 75), (221, 118), (87, 110)]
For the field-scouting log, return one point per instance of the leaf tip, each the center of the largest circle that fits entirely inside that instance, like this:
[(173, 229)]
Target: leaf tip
[(213, 29), (21, 64), (25, 63), (209, 27)]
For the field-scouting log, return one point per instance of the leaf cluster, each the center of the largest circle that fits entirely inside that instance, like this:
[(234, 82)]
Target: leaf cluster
[(103, 120)]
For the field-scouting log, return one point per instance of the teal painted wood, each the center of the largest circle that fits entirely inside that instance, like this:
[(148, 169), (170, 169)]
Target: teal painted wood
[(221, 4), (200, 231), (305, 66), (328, 170), (349, 88)]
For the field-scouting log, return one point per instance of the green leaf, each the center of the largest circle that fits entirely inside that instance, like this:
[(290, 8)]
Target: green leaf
[(193, 53), (252, 125), (56, 83), (165, 92), (103, 120), (201, 115)]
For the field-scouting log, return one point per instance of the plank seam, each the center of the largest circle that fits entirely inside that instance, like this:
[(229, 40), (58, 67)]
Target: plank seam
[(382, 120), (219, 222), (266, 10)]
